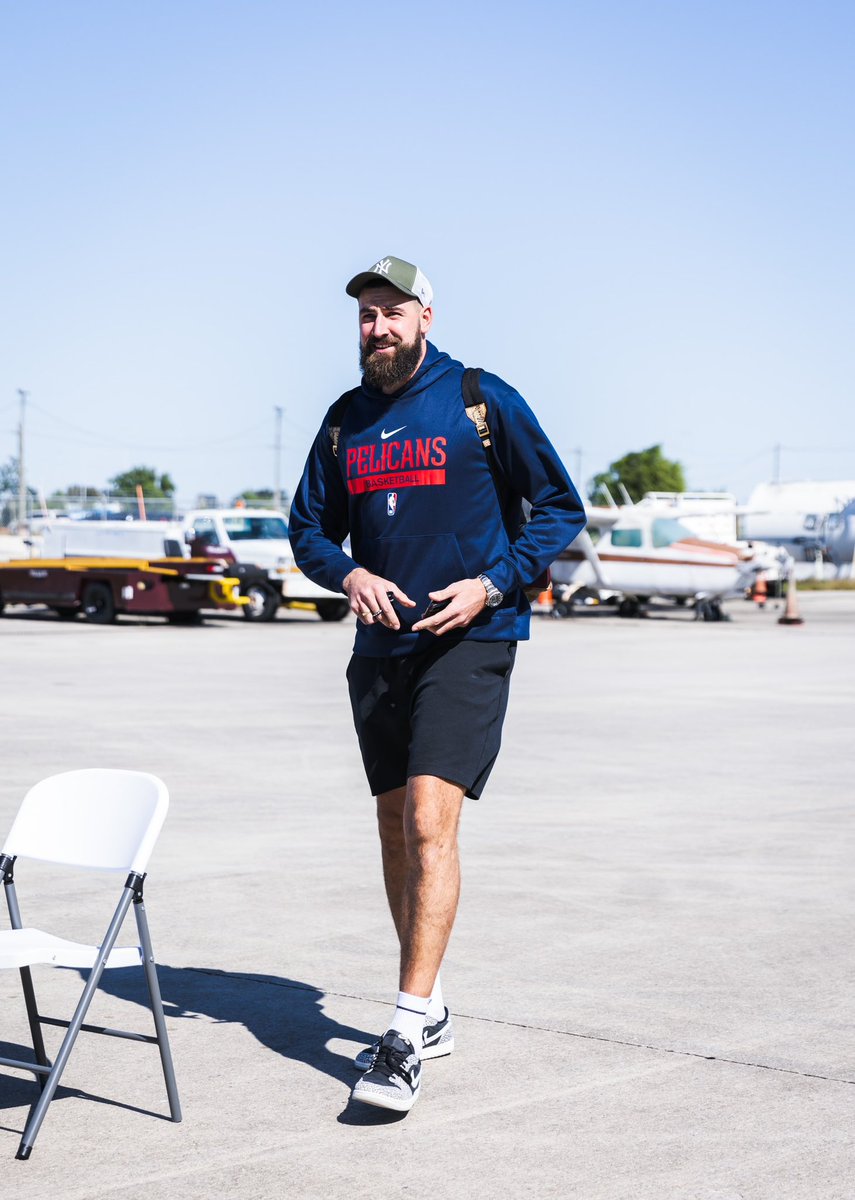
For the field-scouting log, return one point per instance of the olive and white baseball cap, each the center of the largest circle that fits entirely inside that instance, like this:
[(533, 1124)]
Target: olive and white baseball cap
[(406, 277)]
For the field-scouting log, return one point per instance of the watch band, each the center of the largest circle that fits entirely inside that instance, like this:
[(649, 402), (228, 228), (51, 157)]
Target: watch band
[(494, 596)]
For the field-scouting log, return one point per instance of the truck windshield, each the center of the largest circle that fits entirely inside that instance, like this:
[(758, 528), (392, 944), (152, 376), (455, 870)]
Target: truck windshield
[(245, 529)]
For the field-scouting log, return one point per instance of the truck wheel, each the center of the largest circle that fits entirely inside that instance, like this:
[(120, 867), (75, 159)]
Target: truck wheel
[(263, 602), (98, 604), (332, 610), (184, 618)]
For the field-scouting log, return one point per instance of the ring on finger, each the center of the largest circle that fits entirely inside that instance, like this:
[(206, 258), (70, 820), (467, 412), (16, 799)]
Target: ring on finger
[(379, 613)]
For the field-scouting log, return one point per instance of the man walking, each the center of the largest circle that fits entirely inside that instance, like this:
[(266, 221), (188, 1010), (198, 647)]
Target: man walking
[(429, 487)]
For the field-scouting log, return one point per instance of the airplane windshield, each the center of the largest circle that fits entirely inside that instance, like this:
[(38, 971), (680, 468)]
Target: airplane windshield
[(666, 531), (244, 529), (630, 538)]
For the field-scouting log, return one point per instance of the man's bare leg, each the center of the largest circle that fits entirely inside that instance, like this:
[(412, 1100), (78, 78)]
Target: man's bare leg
[(421, 870), (393, 848), (432, 882)]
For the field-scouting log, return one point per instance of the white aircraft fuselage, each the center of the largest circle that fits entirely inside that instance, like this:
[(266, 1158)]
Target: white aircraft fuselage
[(644, 556)]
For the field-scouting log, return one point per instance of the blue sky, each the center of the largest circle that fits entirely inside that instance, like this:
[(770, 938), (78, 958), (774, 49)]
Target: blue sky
[(639, 214)]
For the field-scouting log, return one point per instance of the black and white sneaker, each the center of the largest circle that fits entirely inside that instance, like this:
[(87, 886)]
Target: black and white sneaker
[(437, 1040), (395, 1079)]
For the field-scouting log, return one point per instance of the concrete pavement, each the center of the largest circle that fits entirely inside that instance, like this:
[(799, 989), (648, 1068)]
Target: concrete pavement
[(652, 967)]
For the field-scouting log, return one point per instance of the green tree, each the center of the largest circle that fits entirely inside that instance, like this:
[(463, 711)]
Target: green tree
[(255, 495), (10, 479), (260, 497), (74, 491), (9, 476), (640, 471), (154, 486)]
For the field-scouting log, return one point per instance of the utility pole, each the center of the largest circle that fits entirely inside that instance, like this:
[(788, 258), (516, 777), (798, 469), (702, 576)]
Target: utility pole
[(22, 480), (277, 456)]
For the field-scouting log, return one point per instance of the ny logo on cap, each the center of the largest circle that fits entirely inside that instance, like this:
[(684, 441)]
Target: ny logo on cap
[(382, 268)]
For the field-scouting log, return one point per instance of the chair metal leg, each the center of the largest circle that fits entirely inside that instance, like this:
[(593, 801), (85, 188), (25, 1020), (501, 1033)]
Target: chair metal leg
[(157, 1009), (35, 1024), (26, 974), (39, 1112)]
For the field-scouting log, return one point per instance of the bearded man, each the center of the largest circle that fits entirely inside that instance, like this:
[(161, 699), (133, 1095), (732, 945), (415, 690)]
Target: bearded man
[(440, 560)]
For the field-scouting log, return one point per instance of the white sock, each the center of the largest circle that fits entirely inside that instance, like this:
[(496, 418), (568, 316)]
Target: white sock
[(409, 1019), (436, 1004)]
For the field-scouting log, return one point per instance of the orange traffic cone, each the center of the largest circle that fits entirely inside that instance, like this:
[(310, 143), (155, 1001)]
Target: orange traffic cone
[(760, 591), (791, 612), (545, 597)]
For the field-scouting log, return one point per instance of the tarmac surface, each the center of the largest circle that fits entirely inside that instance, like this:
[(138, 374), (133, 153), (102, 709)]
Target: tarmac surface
[(652, 968)]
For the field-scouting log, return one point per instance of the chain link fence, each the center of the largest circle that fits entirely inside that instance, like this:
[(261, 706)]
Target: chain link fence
[(105, 506)]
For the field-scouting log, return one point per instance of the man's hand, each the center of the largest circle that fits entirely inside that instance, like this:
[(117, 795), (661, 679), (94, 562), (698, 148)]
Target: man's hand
[(468, 597), (371, 598)]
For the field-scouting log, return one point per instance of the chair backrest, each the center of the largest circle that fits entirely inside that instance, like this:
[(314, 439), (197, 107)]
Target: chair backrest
[(105, 819)]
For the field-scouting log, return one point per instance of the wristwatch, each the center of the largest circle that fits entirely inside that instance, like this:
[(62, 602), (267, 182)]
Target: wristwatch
[(494, 596)]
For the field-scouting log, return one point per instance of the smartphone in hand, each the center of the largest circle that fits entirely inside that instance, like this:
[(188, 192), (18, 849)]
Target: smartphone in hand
[(434, 607)]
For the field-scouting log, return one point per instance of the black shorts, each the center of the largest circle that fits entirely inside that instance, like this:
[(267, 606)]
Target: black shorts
[(435, 713)]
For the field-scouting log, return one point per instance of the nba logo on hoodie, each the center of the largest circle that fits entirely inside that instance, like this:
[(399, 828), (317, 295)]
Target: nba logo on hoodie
[(391, 503)]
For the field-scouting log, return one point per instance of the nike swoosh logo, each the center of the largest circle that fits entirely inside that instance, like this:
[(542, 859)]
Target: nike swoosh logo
[(391, 432)]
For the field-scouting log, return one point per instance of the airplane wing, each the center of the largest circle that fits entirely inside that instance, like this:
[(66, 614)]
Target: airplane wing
[(600, 517)]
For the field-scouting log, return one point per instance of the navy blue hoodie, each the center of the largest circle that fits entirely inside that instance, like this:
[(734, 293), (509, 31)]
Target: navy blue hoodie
[(413, 488)]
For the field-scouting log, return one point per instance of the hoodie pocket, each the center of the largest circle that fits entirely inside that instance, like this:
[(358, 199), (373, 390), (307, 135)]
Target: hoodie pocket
[(419, 564)]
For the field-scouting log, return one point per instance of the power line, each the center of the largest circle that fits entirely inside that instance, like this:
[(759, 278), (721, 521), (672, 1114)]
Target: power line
[(100, 440), (818, 449)]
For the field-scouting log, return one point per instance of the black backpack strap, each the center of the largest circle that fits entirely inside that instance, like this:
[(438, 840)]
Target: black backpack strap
[(476, 409), (337, 416)]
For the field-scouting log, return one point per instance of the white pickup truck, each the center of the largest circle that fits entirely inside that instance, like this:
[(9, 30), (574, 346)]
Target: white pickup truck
[(260, 536)]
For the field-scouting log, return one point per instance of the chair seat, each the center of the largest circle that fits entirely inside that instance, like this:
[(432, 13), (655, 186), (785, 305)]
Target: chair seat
[(27, 947)]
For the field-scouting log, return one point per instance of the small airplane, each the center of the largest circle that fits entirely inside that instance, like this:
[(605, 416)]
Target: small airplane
[(840, 538), (796, 515), (643, 551)]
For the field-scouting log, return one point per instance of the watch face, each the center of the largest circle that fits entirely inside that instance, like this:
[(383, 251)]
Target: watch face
[(494, 600)]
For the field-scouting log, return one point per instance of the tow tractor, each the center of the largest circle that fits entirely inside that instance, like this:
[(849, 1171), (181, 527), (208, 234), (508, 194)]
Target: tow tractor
[(141, 582), (260, 536)]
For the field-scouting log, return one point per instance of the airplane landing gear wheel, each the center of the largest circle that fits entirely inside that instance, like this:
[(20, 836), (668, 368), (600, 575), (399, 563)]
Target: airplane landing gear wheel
[(710, 610), (629, 607)]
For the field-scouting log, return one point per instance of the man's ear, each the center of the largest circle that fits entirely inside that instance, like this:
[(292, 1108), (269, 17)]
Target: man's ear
[(426, 319)]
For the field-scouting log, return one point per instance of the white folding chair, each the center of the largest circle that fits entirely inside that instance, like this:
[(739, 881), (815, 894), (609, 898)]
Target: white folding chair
[(98, 820)]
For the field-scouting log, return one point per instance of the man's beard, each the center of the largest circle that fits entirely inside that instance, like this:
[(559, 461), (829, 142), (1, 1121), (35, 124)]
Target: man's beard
[(388, 372)]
